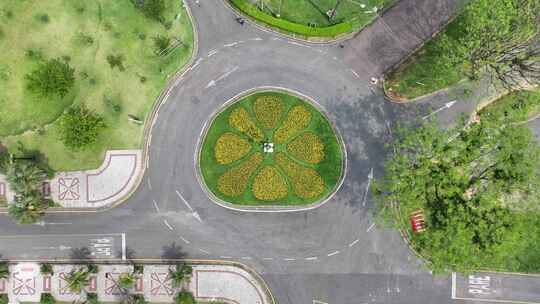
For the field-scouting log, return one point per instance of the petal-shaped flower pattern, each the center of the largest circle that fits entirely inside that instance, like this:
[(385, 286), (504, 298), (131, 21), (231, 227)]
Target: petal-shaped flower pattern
[(307, 147), (268, 111), (235, 181), (230, 147), (297, 119), (269, 185), (241, 121), (307, 183)]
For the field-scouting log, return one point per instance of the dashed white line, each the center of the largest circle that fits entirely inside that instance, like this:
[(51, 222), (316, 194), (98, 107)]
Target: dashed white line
[(225, 257), (256, 39), (204, 251), (353, 243), (354, 73), (156, 206), (333, 253), (168, 225), (230, 44), (246, 258), (268, 259), (276, 39), (183, 239), (311, 258), (289, 259), (184, 200), (212, 53), (196, 63), (370, 227), (149, 184)]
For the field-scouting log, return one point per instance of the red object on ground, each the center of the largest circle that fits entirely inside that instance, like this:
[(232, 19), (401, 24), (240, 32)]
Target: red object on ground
[(418, 221)]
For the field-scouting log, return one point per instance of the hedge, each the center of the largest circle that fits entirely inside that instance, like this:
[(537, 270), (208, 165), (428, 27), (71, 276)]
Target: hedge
[(329, 31)]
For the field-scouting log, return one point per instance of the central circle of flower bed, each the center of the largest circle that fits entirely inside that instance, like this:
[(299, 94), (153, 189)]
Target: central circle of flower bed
[(271, 148)]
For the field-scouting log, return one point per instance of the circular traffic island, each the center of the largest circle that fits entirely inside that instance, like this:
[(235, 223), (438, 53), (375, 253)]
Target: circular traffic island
[(271, 149)]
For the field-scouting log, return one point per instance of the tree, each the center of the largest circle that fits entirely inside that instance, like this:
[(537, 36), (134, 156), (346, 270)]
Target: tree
[(4, 270), (51, 78), (126, 280), (459, 178), (47, 298), (77, 279), (495, 36), (46, 269), (153, 9), (185, 297), (80, 127), (181, 273)]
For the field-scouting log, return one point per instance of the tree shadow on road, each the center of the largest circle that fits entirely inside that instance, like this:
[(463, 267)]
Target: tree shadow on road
[(81, 253), (173, 251)]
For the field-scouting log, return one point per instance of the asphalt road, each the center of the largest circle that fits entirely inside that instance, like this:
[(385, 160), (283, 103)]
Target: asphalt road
[(333, 254)]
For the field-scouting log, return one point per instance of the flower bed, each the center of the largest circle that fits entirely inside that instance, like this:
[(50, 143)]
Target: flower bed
[(270, 148)]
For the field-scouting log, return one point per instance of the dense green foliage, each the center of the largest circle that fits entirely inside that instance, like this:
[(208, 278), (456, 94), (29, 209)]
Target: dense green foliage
[(4, 299), (126, 280), (77, 279), (185, 297), (92, 298), (46, 269), (518, 106), (80, 127), (47, 298), (487, 34), (25, 178), (465, 180), (4, 270), (51, 78), (153, 9), (180, 274)]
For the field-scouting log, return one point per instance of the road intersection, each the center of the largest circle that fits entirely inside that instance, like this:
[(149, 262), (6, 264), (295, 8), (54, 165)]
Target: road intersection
[(333, 254)]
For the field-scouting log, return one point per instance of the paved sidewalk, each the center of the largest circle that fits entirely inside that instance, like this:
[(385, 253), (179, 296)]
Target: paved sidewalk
[(97, 188), (229, 284), (396, 34)]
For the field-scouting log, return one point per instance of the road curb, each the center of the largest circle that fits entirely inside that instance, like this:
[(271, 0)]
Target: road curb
[(268, 208)]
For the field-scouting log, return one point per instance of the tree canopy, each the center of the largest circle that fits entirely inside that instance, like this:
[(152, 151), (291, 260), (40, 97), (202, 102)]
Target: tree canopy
[(51, 78), (80, 127), (464, 180)]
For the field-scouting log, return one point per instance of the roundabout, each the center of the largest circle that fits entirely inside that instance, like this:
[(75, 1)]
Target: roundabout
[(271, 148)]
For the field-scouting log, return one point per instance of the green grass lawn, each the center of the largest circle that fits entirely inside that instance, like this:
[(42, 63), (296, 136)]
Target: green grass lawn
[(313, 14), (330, 168), (426, 71), (517, 106), (84, 33)]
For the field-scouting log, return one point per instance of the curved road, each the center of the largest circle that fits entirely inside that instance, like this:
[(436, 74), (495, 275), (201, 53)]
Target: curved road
[(332, 254)]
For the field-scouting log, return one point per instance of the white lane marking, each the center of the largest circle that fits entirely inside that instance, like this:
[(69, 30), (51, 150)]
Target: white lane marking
[(256, 39), (230, 44), (311, 258), (268, 259), (183, 239), (447, 105), (366, 191), (354, 73), (225, 257), (184, 200), (204, 251), (212, 53), (149, 184), (353, 243), (168, 225), (276, 38), (124, 254), (197, 216), (333, 253), (289, 259), (453, 285), (370, 227), (196, 63), (319, 302), (156, 206), (43, 223), (226, 74), (246, 258)]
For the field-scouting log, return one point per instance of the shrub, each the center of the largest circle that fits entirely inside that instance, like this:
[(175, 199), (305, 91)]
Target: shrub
[(126, 280), (92, 268), (268, 111), (161, 43), (51, 78), (4, 270), (92, 298), (230, 147), (152, 9), (138, 268), (269, 185), (84, 39), (297, 119), (47, 298), (116, 61), (306, 182), (185, 297), (234, 182), (4, 299), (46, 269), (307, 147), (43, 18), (241, 121), (80, 127)]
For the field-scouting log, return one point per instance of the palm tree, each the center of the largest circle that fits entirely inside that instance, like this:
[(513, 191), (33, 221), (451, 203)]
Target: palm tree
[(4, 270), (126, 280), (179, 274), (78, 279), (24, 177), (28, 207)]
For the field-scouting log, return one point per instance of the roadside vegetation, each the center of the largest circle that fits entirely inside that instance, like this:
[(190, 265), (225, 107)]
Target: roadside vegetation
[(494, 38), (516, 107), (313, 18), (477, 185), (78, 78), (302, 166)]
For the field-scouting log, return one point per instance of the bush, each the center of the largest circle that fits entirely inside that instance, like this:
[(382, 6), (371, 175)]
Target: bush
[(241, 121), (307, 183), (152, 9), (92, 298), (269, 185), (230, 147), (4, 299), (161, 43), (297, 119), (92, 268), (330, 31), (307, 147), (51, 78), (268, 111), (47, 298), (116, 61), (235, 181), (80, 127), (46, 269), (4, 270), (185, 297)]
